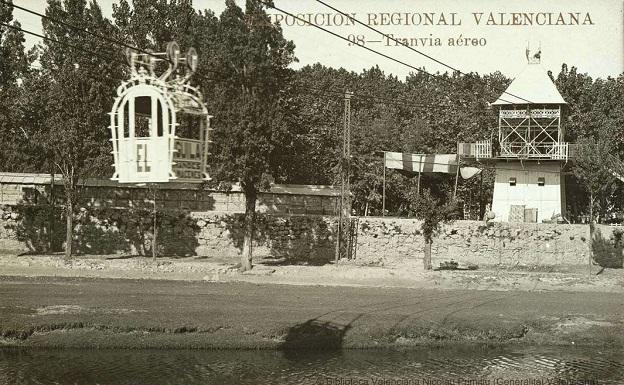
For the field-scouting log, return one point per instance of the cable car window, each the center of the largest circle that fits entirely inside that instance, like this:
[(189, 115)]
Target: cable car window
[(142, 116), (189, 126), (159, 119), (126, 120)]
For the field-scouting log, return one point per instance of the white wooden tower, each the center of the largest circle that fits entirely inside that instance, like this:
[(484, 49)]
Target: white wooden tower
[(531, 151), (159, 123)]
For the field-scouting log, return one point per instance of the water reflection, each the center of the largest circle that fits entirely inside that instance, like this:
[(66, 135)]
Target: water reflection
[(440, 366)]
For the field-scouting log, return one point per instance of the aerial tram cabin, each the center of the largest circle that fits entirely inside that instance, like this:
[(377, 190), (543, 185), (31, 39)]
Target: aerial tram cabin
[(159, 124)]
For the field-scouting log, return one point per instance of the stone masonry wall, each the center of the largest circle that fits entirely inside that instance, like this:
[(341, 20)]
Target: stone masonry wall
[(177, 198), (391, 240), (298, 238), (380, 241)]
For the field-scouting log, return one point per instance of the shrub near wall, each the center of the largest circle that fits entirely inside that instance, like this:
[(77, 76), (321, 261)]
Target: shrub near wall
[(608, 246), (26, 228), (130, 231)]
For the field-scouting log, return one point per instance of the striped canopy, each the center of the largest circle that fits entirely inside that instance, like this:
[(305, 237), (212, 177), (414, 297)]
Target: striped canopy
[(444, 163), (427, 163)]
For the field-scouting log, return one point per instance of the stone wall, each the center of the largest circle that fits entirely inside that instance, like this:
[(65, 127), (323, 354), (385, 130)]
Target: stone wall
[(295, 224), (118, 218), (392, 240), (38, 189), (295, 238)]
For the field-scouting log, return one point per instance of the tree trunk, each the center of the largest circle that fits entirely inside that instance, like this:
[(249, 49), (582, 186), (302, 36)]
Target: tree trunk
[(69, 230), (591, 207), (427, 258), (155, 237), (51, 218), (250, 217)]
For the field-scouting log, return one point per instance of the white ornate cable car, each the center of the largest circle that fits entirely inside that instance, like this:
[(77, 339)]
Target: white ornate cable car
[(159, 124)]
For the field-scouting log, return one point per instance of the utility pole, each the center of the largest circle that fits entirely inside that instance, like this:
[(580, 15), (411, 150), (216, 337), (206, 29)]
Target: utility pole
[(343, 233)]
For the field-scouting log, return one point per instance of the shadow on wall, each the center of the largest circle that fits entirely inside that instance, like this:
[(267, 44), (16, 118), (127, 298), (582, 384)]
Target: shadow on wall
[(121, 221), (109, 231), (40, 228), (608, 246), (106, 230), (290, 239)]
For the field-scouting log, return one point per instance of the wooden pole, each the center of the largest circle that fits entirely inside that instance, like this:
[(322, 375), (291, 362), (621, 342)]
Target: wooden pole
[(383, 190), (419, 168), (154, 240), (345, 197), (456, 177), (481, 196), (52, 216), (590, 253)]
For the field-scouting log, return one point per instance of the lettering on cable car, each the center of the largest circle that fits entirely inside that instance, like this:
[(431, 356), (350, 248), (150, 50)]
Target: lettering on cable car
[(142, 161)]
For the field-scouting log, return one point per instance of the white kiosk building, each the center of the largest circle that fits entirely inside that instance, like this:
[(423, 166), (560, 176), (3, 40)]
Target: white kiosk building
[(160, 124), (529, 185)]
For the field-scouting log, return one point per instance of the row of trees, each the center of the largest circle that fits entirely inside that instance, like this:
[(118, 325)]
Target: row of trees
[(272, 123)]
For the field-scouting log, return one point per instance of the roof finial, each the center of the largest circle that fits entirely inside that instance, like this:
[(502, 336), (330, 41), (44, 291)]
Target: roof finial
[(534, 58)]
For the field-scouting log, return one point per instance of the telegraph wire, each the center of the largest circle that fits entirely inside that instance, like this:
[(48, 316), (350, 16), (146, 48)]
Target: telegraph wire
[(408, 46), (336, 92), (362, 46), (323, 91), (326, 92), (108, 59), (61, 43), (110, 40), (114, 41)]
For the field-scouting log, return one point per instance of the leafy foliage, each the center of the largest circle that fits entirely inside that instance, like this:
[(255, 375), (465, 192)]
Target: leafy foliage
[(433, 212), (16, 154), (594, 165), (274, 123), (74, 91)]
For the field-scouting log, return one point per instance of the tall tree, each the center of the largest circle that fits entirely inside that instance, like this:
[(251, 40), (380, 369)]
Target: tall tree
[(79, 92), (596, 166), (15, 63), (251, 101)]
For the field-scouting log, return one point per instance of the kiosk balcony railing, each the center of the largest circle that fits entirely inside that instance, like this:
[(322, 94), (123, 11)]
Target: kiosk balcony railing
[(555, 151), (516, 150), (479, 150)]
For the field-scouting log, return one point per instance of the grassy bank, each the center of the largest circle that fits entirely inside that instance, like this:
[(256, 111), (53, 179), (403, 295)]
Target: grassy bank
[(97, 313)]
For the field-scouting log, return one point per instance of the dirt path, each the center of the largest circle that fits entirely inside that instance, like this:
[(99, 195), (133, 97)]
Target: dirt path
[(343, 274)]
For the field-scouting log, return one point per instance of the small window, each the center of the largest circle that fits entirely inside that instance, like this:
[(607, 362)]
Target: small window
[(541, 181), (512, 181)]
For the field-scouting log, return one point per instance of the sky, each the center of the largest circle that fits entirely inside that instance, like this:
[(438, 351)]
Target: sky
[(592, 38)]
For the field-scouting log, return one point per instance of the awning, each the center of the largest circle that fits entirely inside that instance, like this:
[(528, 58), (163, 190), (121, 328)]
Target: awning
[(428, 163)]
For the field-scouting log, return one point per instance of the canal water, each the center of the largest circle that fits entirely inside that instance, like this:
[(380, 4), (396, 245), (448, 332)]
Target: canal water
[(439, 366)]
